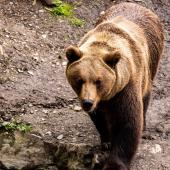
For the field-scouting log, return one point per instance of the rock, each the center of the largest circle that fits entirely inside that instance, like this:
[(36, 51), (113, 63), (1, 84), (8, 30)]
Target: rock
[(21, 151), (29, 151), (31, 112), (6, 117), (44, 36), (30, 72), (77, 108), (45, 111), (64, 63), (20, 71), (49, 133), (1, 50), (50, 2), (102, 13), (41, 11), (11, 3), (149, 136), (36, 58), (60, 137), (30, 105), (155, 149), (163, 127), (57, 63)]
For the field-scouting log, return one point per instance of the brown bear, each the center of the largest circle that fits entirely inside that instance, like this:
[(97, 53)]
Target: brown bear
[(111, 70)]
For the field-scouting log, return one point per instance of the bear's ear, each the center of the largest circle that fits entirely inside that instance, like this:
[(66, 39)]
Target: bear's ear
[(73, 54), (112, 59)]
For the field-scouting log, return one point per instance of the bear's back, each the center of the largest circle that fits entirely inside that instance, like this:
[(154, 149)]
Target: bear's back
[(146, 20)]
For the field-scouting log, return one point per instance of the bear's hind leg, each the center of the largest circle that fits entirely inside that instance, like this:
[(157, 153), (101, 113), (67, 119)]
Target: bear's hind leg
[(146, 100)]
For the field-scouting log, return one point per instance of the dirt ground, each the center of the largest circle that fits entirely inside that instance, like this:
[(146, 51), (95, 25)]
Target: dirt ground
[(33, 85)]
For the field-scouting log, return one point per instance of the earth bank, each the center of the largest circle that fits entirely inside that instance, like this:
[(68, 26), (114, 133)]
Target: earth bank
[(33, 89)]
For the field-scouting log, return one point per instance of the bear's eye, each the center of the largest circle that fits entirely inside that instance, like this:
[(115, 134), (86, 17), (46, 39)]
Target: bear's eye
[(80, 82), (98, 83)]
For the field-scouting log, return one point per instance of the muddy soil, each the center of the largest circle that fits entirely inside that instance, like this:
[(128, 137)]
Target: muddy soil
[(33, 86)]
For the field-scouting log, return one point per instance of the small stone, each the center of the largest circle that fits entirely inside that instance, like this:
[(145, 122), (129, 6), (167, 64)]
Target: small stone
[(74, 139), (41, 11), (64, 63), (20, 71), (96, 158), (45, 111), (54, 111), (77, 134), (156, 149), (60, 137), (163, 127), (102, 13), (49, 133), (44, 36), (57, 63), (23, 109), (6, 117), (71, 106), (77, 108), (37, 136), (35, 58), (31, 112), (1, 50), (30, 72), (30, 105), (160, 128)]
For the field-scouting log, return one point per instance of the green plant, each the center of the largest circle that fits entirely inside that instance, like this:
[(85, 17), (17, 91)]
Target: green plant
[(22, 127), (12, 126), (67, 10), (77, 22), (61, 8)]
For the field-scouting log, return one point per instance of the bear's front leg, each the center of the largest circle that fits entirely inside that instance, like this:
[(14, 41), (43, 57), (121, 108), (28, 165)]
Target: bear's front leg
[(127, 115), (99, 121)]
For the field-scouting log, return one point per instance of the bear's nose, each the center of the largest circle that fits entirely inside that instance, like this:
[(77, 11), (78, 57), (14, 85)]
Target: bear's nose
[(87, 104)]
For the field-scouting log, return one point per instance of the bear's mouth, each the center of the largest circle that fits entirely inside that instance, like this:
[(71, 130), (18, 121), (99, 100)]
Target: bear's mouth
[(87, 109)]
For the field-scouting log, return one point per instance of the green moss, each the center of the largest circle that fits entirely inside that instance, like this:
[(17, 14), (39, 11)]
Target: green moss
[(13, 126)]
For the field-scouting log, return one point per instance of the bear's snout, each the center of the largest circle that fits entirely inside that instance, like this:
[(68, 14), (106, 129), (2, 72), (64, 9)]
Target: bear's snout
[(87, 104)]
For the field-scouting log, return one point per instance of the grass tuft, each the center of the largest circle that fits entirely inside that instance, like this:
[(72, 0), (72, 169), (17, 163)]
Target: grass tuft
[(13, 126)]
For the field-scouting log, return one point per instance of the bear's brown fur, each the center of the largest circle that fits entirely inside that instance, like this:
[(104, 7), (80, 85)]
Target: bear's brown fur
[(112, 70)]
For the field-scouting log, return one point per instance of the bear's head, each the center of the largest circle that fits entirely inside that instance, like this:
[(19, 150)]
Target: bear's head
[(91, 74)]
